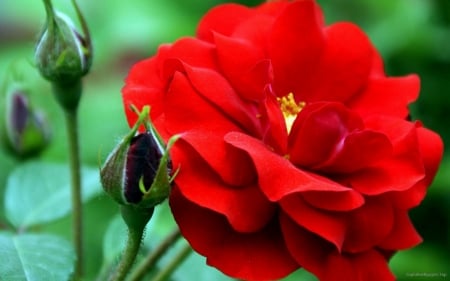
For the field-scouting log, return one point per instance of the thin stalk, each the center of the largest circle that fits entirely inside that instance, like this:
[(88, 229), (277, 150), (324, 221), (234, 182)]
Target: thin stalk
[(131, 250), (75, 178), (154, 256), (166, 272)]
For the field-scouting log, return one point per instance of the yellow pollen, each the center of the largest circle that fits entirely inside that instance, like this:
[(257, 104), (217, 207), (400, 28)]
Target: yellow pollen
[(290, 109)]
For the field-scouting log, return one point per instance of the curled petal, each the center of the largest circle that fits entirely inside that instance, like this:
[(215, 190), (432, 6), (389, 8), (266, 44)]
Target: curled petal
[(233, 165), (387, 96), (244, 65), (245, 207), (260, 255), (278, 177), (319, 132), (275, 133), (331, 226), (307, 248), (431, 151), (403, 234), (400, 172), (367, 266), (369, 225), (359, 150), (188, 109), (215, 89), (193, 52), (323, 260), (219, 20), (332, 201)]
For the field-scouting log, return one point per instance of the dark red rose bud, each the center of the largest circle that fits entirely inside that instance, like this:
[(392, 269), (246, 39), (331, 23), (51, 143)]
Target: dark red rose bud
[(143, 159), (138, 170)]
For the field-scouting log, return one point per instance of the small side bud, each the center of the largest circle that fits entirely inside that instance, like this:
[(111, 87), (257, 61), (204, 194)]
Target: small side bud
[(138, 171), (26, 131)]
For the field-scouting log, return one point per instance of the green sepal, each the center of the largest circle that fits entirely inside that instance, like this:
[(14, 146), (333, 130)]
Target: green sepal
[(136, 218)]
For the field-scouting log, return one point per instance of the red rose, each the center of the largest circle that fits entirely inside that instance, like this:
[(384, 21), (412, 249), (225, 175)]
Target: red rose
[(295, 148)]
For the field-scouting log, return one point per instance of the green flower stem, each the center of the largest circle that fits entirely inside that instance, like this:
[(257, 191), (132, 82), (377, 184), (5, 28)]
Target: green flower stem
[(136, 219), (68, 97), (131, 250), (77, 211), (166, 272), (154, 256)]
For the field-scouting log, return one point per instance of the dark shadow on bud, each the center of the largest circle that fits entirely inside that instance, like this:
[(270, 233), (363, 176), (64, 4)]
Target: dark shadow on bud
[(142, 163)]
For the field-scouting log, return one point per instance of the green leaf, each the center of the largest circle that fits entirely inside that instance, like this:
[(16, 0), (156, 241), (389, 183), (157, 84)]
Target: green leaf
[(38, 192), (301, 274), (35, 257)]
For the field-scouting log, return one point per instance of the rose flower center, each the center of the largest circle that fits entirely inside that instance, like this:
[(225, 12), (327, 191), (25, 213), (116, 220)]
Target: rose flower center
[(290, 109)]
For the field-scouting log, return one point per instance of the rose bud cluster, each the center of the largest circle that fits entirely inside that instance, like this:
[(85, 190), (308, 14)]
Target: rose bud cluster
[(137, 172), (26, 130)]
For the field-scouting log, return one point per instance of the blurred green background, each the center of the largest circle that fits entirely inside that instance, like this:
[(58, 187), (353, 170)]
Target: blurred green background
[(413, 36)]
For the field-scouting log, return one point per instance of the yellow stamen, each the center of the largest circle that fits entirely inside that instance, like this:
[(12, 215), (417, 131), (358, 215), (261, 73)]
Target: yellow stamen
[(290, 109)]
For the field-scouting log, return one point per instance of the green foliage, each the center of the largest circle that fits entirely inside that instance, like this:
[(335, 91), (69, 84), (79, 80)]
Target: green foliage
[(38, 192), (37, 257)]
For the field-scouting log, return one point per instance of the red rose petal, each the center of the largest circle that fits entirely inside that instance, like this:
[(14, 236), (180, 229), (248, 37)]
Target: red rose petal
[(308, 249), (344, 67), (214, 88), (139, 96), (367, 266), (403, 234), (246, 208), (252, 256), (295, 45), (318, 131), (332, 201), (369, 225), (272, 8), (319, 257), (222, 19), (193, 52), (331, 226), (255, 31), (275, 134), (244, 66), (431, 151), (143, 85), (187, 109), (360, 149), (402, 170), (388, 96), (233, 165), (278, 177)]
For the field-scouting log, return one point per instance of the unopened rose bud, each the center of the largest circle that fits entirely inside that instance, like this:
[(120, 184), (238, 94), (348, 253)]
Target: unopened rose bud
[(138, 171), (62, 54), (26, 130)]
